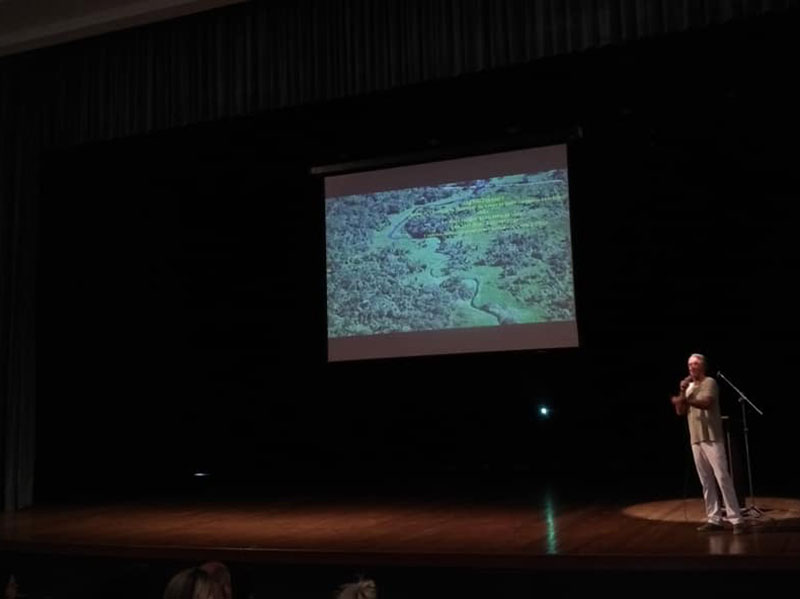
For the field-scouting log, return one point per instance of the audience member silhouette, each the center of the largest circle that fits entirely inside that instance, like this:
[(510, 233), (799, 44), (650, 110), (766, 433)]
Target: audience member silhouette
[(192, 583), (221, 576), (363, 589)]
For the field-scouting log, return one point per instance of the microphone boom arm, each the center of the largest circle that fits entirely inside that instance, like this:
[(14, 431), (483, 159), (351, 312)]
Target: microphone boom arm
[(741, 395)]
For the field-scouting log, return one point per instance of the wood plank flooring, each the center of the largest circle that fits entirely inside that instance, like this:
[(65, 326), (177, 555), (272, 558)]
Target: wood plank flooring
[(542, 535)]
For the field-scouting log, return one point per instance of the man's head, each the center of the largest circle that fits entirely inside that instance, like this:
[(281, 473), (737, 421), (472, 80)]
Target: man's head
[(697, 366)]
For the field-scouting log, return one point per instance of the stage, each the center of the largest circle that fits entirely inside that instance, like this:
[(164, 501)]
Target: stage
[(538, 532)]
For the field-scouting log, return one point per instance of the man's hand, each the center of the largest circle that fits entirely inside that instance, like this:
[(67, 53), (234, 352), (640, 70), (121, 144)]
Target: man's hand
[(680, 404)]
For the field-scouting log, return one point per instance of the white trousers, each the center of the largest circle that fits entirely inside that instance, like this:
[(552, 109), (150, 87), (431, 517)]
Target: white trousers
[(712, 468)]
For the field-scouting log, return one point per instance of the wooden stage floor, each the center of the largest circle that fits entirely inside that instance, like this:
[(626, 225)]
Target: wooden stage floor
[(536, 533)]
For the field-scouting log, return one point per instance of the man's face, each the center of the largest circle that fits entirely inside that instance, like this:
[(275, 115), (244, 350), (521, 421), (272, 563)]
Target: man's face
[(696, 367)]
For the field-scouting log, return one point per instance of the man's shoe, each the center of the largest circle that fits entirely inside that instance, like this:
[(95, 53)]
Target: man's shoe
[(710, 527)]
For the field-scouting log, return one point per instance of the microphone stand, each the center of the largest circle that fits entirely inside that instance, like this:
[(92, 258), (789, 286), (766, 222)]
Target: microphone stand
[(755, 511)]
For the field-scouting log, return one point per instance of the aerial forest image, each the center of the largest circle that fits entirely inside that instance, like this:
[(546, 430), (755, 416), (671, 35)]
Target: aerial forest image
[(476, 253)]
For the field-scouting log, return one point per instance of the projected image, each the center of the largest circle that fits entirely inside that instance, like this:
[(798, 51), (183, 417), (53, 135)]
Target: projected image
[(478, 253)]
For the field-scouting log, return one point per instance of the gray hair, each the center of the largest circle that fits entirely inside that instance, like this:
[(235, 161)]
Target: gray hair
[(702, 358)]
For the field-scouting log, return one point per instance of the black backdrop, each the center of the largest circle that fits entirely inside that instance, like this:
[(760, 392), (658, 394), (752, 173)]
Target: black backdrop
[(181, 289)]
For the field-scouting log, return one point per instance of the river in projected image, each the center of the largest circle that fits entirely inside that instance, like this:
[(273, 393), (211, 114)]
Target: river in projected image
[(469, 254)]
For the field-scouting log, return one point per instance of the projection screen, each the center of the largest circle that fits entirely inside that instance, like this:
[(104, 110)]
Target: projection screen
[(465, 255)]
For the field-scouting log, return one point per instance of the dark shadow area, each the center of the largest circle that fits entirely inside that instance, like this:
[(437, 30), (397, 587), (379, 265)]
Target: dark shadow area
[(40, 577)]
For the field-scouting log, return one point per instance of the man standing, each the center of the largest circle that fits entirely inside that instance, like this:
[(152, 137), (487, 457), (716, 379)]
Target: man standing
[(699, 401)]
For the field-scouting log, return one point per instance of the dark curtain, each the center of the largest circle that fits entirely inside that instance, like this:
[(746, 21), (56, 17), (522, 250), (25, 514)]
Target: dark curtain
[(245, 59), (18, 182), (263, 55)]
